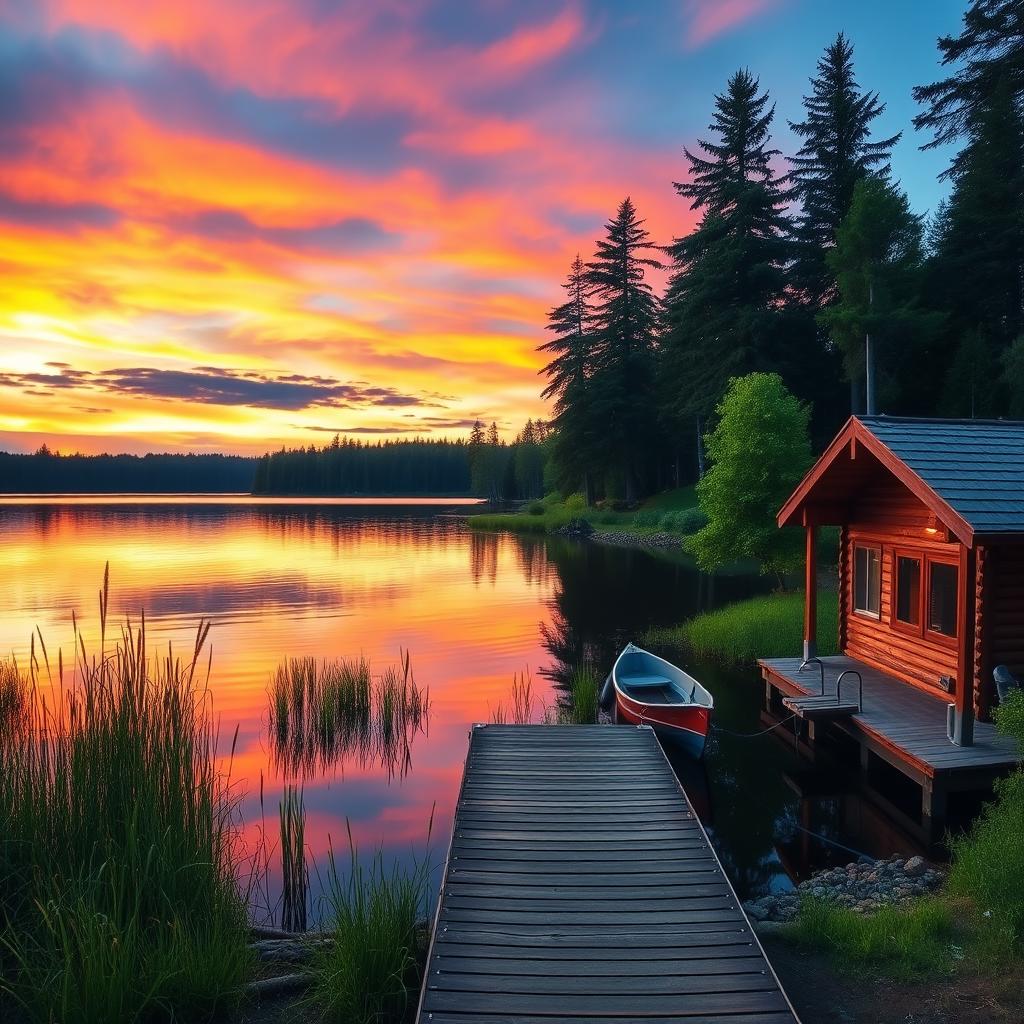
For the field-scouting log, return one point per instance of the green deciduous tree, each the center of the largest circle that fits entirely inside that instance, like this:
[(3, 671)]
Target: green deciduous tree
[(759, 450), (877, 262)]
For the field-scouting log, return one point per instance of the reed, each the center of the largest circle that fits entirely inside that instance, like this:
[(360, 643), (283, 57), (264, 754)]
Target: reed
[(324, 712), (370, 972), (118, 860), (294, 876), (583, 694), (520, 707)]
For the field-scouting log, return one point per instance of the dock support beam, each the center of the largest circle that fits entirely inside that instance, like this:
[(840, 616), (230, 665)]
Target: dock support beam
[(963, 714), (811, 595)]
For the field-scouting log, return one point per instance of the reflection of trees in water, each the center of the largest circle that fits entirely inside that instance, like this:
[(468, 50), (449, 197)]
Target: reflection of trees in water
[(483, 556)]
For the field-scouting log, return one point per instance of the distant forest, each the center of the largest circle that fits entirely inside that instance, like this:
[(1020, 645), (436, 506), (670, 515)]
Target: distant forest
[(481, 465), (47, 472)]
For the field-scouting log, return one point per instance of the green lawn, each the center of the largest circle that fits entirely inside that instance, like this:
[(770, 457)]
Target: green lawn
[(770, 626)]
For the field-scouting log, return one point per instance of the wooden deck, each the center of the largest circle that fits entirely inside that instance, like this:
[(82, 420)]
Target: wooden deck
[(580, 886)]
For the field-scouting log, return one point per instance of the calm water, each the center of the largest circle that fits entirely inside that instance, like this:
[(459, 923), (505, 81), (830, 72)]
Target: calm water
[(281, 578)]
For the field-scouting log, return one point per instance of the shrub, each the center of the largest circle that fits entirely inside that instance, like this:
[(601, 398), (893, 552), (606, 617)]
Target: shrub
[(685, 521), (575, 504), (535, 508)]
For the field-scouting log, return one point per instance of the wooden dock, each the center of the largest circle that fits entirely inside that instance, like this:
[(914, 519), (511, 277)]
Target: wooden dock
[(580, 886), (901, 725)]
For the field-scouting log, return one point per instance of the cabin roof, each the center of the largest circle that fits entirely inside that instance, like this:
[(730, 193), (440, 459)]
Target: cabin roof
[(970, 473)]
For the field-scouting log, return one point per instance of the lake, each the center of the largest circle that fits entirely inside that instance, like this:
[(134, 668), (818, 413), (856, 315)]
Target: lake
[(283, 578)]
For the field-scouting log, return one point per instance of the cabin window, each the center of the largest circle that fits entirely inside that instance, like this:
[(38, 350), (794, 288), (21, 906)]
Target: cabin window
[(867, 580), (908, 590), (942, 579)]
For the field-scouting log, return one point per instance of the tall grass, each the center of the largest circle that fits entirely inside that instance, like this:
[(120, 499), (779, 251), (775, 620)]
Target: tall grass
[(118, 892), (370, 971), (323, 712), (770, 626), (14, 695)]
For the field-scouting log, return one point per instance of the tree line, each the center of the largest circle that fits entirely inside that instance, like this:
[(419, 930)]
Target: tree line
[(801, 267), (48, 472), (482, 464)]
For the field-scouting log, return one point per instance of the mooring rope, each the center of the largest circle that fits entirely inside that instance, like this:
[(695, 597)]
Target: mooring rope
[(752, 735)]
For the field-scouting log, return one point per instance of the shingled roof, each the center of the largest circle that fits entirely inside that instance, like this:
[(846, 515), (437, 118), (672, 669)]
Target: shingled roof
[(969, 472), (975, 466)]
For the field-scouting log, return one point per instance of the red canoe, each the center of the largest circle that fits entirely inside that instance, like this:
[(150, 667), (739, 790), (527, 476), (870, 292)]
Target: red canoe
[(652, 691)]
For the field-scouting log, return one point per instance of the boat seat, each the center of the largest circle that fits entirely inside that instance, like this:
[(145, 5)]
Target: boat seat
[(640, 681)]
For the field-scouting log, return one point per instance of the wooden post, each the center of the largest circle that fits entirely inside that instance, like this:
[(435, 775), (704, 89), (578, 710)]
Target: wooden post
[(811, 595), (963, 719)]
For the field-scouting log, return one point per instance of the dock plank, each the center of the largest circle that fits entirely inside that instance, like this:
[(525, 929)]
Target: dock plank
[(581, 887)]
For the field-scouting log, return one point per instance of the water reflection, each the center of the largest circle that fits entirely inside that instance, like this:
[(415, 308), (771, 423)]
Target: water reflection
[(329, 582)]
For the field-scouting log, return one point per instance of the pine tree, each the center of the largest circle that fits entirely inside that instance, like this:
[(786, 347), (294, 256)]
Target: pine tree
[(625, 314), (837, 152), (990, 55), (575, 443), (723, 308)]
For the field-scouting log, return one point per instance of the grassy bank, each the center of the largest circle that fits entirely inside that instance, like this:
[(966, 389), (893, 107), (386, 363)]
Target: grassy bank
[(770, 626), (118, 892), (975, 925), (669, 512)]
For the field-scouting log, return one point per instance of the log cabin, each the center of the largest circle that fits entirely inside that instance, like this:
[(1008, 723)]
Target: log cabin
[(931, 595)]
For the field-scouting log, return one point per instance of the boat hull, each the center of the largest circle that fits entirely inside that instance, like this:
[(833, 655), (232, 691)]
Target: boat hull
[(686, 726)]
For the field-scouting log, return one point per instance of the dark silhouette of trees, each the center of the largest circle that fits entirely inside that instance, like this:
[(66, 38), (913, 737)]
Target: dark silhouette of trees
[(47, 472)]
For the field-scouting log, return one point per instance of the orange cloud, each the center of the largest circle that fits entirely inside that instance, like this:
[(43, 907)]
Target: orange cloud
[(707, 19)]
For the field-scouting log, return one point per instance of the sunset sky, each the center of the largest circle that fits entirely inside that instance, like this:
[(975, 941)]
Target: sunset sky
[(232, 224)]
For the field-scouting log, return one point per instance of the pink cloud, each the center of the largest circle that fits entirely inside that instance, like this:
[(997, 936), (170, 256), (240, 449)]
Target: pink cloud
[(706, 19)]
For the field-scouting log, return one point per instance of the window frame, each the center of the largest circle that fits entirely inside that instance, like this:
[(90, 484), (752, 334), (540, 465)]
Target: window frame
[(864, 612), (921, 630), (916, 555), (934, 635)]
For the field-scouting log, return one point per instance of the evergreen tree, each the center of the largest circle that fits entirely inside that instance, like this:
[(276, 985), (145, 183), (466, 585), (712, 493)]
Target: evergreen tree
[(621, 381), (723, 308), (575, 442), (837, 152), (877, 261), (989, 55), (976, 273)]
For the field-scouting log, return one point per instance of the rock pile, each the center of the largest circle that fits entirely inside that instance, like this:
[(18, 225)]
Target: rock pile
[(862, 887), (639, 540)]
